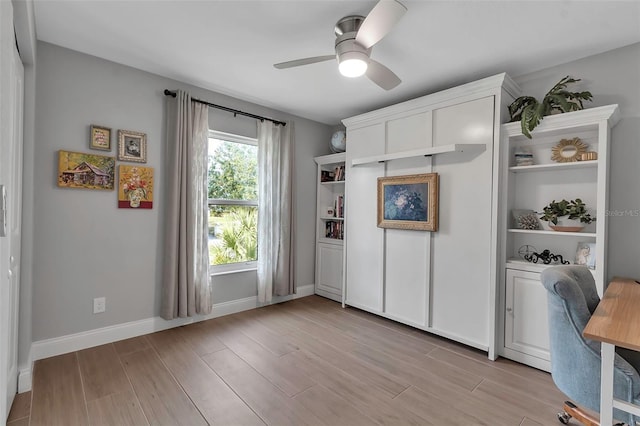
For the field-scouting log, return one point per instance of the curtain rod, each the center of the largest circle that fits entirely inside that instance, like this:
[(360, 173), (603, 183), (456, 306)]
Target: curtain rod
[(224, 108)]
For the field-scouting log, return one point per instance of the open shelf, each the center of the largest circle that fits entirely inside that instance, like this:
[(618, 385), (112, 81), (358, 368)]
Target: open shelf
[(330, 240), (555, 233), (425, 152), (523, 265), (555, 166), (332, 218), (332, 182)]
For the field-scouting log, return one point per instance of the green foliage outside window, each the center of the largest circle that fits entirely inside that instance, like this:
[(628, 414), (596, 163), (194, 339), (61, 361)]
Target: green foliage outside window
[(238, 237), (233, 172), (232, 175)]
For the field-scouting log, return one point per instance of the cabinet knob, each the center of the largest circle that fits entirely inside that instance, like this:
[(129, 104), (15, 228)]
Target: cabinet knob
[(509, 309)]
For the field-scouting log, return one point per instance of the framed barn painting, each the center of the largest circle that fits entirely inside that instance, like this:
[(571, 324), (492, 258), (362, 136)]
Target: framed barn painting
[(408, 202), (90, 171), (135, 187)]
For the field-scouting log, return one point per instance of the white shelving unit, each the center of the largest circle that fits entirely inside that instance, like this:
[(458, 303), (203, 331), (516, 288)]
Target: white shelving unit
[(330, 227), (554, 166), (523, 308), (554, 233), (424, 152)]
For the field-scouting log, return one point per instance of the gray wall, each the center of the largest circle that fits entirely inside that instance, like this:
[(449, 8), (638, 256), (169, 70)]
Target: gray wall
[(613, 78), (83, 245)]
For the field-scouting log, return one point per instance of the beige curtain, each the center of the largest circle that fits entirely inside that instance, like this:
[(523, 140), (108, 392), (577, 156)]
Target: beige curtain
[(186, 287), (275, 211)]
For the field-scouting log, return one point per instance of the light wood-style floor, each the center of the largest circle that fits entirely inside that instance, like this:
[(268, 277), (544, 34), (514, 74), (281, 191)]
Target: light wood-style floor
[(304, 362)]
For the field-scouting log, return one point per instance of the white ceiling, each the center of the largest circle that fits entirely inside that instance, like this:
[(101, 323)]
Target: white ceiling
[(230, 46)]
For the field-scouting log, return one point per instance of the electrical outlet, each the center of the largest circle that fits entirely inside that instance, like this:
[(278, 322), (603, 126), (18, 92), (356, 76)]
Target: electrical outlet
[(99, 305)]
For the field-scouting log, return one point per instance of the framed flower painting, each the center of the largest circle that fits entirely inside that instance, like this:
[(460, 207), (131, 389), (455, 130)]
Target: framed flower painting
[(408, 202), (135, 187)]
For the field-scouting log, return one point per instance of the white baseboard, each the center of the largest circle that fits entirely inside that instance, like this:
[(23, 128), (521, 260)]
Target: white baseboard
[(88, 339), (24, 380)]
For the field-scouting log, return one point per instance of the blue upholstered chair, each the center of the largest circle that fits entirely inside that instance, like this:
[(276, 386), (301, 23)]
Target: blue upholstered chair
[(575, 361)]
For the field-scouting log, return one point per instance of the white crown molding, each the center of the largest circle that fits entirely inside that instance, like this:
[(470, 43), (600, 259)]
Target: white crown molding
[(585, 117), (88, 339), (338, 157), (489, 85)]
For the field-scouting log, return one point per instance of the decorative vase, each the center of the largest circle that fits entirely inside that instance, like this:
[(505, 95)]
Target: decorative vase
[(135, 196), (567, 225)]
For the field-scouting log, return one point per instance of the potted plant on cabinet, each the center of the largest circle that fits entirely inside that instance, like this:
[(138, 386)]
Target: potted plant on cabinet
[(530, 112), (567, 216)]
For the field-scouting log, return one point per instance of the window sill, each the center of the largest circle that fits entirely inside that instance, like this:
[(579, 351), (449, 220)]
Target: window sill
[(235, 270)]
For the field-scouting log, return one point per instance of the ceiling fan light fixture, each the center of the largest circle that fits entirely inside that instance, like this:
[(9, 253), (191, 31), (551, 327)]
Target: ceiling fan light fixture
[(353, 64)]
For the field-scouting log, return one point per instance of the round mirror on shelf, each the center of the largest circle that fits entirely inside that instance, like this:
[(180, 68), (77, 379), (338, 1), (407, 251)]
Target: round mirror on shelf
[(568, 150)]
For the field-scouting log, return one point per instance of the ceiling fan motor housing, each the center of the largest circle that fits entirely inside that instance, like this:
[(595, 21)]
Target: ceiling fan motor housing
[(348, 24), (346, 45)]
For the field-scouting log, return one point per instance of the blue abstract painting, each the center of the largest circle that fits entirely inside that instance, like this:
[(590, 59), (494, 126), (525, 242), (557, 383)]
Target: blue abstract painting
[(406, 202)]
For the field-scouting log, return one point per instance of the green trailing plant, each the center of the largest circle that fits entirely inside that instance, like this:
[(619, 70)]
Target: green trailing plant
[(530, 112), (575, 209)]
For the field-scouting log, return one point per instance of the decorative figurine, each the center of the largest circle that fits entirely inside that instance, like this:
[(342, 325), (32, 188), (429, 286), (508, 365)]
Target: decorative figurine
[(547, 257)]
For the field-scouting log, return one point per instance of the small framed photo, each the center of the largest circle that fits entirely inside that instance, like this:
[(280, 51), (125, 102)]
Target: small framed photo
[(586, 254), (408, 202), (132, 146), (100, 138)]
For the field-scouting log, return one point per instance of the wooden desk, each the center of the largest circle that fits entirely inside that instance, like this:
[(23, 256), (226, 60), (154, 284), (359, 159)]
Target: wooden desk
[(616, 322)]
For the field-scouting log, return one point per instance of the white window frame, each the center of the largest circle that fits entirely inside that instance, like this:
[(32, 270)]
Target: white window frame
[(232, 268)]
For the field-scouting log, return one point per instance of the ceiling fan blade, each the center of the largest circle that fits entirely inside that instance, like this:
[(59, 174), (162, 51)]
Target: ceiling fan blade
[(379, 22), (382, 76), (304, 61)]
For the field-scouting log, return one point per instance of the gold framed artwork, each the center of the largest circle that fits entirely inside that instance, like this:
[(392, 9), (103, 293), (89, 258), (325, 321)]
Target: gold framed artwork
[(80, 170), (100, 138), (408, 202), (568, 150), (132, 146), (135, 187)]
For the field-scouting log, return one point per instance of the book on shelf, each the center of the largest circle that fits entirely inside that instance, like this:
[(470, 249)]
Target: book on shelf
[(334, 175), (338, 206), (327, 176), (334, 230)]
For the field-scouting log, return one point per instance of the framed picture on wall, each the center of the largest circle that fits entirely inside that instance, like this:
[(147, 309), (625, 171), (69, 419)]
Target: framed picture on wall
[(80, 170), (132, 146), (408, 202), (135, 187), (100, 138)]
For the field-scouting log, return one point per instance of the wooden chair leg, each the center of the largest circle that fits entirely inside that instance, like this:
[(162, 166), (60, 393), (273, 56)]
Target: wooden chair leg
[(587, 419)]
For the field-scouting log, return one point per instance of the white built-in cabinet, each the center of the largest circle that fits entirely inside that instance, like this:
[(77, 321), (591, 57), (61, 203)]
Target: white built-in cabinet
[(526, 328), (444, 281), (330, 225), (523, 305)]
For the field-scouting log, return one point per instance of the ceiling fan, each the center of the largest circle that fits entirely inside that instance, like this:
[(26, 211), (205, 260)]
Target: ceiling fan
[(355, 37)]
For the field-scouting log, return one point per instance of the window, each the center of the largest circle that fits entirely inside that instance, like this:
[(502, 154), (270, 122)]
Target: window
[(233, 202)]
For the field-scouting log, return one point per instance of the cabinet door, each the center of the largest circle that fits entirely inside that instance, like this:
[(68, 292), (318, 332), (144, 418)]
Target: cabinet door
[(461, 249), (329, 270), (526, 323), (364, 240)]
